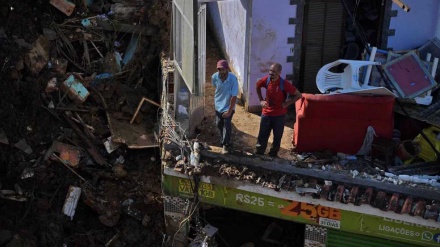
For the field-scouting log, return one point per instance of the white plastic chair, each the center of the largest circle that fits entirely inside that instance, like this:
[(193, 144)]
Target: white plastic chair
[(347, 80)]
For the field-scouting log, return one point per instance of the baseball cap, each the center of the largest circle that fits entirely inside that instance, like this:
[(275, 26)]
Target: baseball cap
[(222, 64)]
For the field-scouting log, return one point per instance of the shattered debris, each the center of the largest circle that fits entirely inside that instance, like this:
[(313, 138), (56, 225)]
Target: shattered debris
[(73, 195), (64, 73), (64, 6), (12, 195), (74, 89), (38, 56), (67, 153), (23, 146), (110, 146)]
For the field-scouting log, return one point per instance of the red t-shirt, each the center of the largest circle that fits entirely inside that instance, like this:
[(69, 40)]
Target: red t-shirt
[(274, 96)]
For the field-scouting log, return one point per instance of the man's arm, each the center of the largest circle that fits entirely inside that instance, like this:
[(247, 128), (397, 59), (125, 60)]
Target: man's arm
[(259, 94), (213, 80), (232, 102), (263, 103), (293, 98)]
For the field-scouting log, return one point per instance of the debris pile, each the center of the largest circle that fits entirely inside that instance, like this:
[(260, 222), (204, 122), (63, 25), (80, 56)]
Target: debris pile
[(79, 106), (358, 182)]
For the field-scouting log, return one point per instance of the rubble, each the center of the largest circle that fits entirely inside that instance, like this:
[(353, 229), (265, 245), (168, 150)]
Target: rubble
[(71, 201), (64, 6), (350, 186), (74, 89), (70, 85)]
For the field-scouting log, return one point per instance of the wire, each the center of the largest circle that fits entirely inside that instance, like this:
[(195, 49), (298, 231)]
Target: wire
[(171, 131), (184, 220), (355, 13)]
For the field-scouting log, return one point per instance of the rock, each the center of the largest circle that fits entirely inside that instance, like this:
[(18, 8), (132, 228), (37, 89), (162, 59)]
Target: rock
[(146, 220), (110, 220), (119, 171)]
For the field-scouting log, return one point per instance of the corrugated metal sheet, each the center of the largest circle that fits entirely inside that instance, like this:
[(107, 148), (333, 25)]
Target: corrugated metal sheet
[(337, 238)]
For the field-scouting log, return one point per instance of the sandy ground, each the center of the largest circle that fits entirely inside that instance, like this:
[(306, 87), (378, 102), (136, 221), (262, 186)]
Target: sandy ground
[(245, 125)]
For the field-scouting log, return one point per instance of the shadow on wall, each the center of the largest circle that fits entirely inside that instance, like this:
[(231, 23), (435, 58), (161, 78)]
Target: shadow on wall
[(214, 13), (216, 26), (196, 117)]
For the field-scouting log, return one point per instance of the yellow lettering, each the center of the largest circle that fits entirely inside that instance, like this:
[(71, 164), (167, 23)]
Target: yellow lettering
[(183, 188)]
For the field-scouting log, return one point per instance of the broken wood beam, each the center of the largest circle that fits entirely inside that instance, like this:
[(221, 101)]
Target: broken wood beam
[(91, 149), (145, 29), (71, 109), (96, 48), (129, 12), (140, 105), (73, 171), (86, 55)]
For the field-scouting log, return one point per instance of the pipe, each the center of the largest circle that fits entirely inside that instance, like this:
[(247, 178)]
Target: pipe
[(401, 5)]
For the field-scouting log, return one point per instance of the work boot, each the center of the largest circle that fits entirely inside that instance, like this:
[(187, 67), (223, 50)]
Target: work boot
[(273, 154)]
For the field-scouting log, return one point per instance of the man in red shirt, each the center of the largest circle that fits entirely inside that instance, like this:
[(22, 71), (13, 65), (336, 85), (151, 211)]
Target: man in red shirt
[(275, 105)]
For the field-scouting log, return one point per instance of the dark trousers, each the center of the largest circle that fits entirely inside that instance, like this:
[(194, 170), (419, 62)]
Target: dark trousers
[(224, 126), (268, 124)]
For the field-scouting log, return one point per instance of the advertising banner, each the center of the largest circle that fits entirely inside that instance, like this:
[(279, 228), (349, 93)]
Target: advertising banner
[(302, 212)]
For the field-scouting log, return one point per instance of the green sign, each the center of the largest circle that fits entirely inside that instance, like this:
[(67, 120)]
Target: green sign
[(303, 212)]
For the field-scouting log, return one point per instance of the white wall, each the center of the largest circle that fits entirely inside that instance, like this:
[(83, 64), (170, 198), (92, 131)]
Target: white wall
[(270, 30), (416, 27), (228, 22)]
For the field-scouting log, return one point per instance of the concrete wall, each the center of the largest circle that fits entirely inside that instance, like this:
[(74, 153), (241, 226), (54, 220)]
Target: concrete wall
[(228, 20), (270, 31), (414, 28)]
